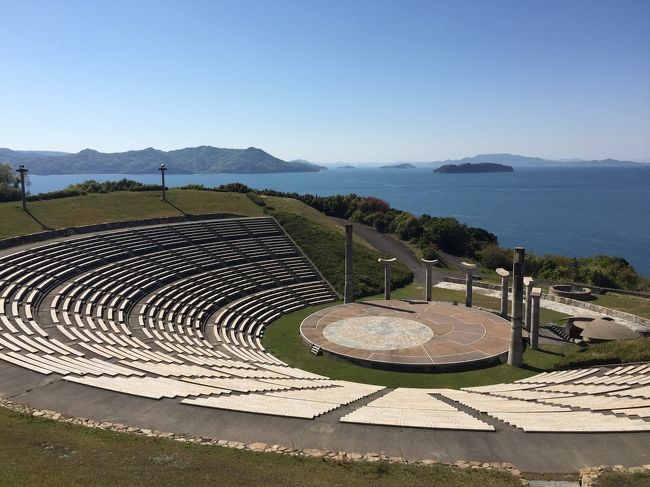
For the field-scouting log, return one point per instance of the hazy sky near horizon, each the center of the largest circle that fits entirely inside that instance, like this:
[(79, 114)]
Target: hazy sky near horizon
[(329, 80)]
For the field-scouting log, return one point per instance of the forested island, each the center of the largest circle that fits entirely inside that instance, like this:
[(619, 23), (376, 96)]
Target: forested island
[(473, 168), (190, 160)]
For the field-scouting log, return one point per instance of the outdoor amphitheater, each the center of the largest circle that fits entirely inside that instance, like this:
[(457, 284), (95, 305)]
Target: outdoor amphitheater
[(160, 327)]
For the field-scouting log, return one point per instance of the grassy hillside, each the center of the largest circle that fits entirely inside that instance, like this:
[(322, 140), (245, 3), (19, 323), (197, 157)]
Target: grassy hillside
[(47, 453), (624, 351), (321, 239), (325, 247), (118, 206)]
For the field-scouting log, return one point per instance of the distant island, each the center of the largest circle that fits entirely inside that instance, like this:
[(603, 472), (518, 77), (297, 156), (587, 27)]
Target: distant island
[(190, 160), (473, 168), (347, 166), (403, 165), (515, 160)]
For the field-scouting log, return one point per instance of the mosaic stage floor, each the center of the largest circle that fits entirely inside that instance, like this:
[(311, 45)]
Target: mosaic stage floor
[(401, 333)]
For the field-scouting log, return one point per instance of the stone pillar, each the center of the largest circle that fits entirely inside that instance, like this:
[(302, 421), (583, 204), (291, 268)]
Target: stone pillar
[(516, 353), (386, 263), (349, 281), (535, 296), (469, 276), (429, 277), (504, 291), (528, 286)]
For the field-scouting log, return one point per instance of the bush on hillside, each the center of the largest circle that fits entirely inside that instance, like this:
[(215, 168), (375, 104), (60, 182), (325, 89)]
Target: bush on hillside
[(233, 188), (93, 186)]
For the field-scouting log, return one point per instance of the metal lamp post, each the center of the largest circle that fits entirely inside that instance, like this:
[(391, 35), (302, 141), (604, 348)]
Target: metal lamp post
[(162, 170), (21, 169)]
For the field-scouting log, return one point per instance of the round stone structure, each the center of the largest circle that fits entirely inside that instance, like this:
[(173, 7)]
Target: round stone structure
[(409, 335), (571, 291)]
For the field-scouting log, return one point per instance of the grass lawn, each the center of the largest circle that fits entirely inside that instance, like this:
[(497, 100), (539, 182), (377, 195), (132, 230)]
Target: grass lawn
[(282, 339), (623, 479), (631, 304), (624, 351), (39, 452), (118, 206), (296, 207), (439, 294)]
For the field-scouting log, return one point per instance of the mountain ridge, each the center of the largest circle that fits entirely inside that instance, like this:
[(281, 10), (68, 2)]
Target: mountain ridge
[(188, 160)]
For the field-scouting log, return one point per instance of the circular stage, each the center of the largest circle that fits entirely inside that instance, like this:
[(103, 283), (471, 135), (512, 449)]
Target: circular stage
[(409, 335)]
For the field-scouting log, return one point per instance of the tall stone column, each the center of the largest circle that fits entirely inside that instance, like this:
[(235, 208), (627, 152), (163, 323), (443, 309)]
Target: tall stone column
[(469, 276), (504, 291), (349, 281), (429, 277), (528, 286), (535, 296), (516, 353), (386, 263)]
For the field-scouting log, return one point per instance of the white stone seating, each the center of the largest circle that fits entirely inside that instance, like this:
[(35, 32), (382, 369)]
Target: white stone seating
[(99, 279), (558, 377), (600, 402), (572, 422), (415, 408), (263, 404), (150, 387), (336, 393)]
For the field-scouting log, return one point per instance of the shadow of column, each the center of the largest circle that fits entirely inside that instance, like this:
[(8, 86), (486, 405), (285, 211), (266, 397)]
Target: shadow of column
[(43, 225), (175, 207)]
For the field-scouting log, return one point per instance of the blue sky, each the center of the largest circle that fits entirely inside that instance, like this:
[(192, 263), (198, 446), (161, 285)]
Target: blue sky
[(329, 80)]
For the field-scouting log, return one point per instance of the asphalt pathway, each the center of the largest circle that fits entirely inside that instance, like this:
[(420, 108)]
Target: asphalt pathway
[(392, 247)]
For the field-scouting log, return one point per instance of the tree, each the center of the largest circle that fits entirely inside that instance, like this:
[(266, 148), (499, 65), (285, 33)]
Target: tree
[(9, 183)]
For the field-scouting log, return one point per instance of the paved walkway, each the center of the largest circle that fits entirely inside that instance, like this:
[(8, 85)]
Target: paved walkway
[(544, 303), (535, 452), (392, 247)]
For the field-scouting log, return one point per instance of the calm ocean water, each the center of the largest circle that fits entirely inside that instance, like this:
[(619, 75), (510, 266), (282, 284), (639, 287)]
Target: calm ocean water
[(568, 211)]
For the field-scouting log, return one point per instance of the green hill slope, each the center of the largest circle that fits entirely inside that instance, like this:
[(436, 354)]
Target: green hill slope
[(320, 239)]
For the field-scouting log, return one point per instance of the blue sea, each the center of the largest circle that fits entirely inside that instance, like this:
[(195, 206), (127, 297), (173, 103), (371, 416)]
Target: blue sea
[(568, 211)]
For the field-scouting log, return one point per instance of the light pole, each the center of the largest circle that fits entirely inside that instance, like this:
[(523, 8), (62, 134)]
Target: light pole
[(21, 169), (162, 170)]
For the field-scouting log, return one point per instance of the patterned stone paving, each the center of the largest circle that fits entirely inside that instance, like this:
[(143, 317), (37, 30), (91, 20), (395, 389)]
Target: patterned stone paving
[(408, 333), (377, 333)]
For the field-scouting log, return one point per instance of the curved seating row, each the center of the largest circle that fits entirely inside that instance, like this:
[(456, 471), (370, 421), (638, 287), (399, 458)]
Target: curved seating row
[(178, 311), (126, 310)]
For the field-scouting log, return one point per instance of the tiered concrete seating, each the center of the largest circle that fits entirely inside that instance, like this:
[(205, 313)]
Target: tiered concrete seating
[(129, 311), (415, 408), (126, 311), (582, 400), (264, 404)]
